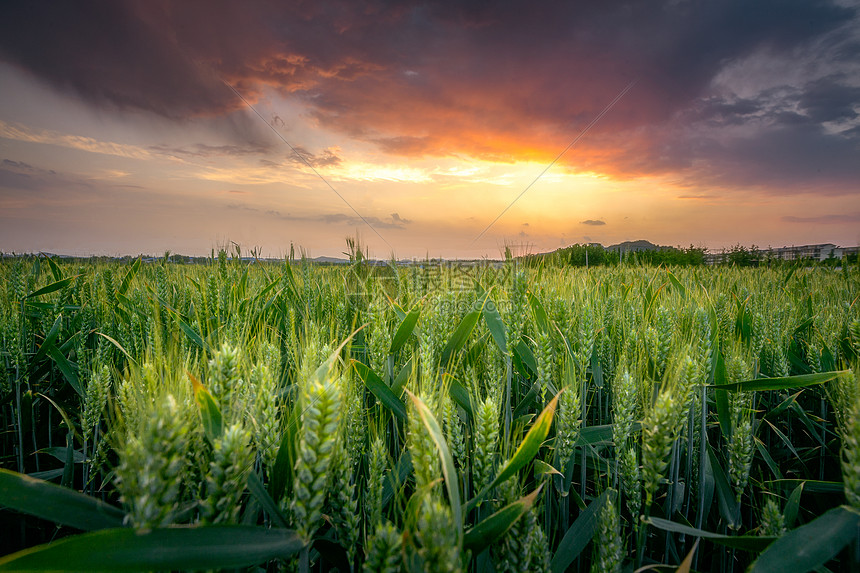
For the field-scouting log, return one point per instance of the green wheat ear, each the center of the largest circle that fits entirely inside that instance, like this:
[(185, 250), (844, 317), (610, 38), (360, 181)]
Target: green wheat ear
[(223, 380), (485, 440), (608, 546), (383, 550), (425, 460), (454, 431), (512, 550), (851, 457), (658, 433), (320, 400), (568, 423), (437, 536), (152, 465), (96, 399), (376, 474), (772, 519), (343, 501), (265, 411), (232, 460)]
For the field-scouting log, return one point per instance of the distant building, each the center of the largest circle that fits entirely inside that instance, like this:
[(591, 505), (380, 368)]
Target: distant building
[(851, 251), (820, 252)]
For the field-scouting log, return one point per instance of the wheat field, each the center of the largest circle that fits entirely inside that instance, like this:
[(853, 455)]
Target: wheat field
[(290, 416)]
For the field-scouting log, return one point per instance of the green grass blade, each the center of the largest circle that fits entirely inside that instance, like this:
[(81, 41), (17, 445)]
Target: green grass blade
[(786, 383), (53, 287), (281, 477), (792, 506), (483, 534), (66, 419), (809, 485), (66, 368), (321, 374), (494, 324), (765, 455), (682, 290), (402, 378), (396, 478), (526, 356), (268, 288), (55, 269), (578, 535), (461, 335), (782, 406), (754, 543), (812, 545), (49, 340), (380, 389), (725, 495), (460, 395), (721, 396), (785, 440), (598, 435), (129, 276), (69, 465), (539, 311), (258, 490), (213, 423), (118, 346), (404, 330), (212, 547), (542, 469), (55, 503), (192, 334)]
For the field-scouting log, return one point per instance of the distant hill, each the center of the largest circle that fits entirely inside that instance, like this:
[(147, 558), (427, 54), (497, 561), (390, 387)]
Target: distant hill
[(636, 246), (329, 260)]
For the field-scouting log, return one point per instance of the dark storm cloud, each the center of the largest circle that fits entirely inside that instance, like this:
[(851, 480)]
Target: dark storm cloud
[(830, 99), (112, 53), (720, 111), (779, 159), (167, 57), (501, 81)]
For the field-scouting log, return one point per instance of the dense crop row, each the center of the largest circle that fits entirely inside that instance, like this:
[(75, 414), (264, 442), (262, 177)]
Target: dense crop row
[(427, 418)]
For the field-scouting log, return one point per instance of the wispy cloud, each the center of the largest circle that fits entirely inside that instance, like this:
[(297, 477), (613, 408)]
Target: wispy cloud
[(698, 197), (33, 135), (593, 222), (393, 221), (326, 158), (202, 150), (825, 219)]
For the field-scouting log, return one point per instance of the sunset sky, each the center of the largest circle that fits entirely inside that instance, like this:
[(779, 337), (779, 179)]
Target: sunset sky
[(120, 132)]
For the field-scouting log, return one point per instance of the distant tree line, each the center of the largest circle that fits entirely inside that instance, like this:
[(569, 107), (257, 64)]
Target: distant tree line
[(597, 255)]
